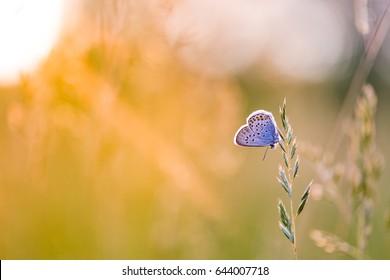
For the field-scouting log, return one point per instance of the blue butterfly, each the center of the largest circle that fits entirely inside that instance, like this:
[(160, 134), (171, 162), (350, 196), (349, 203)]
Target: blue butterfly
[(260, 131)]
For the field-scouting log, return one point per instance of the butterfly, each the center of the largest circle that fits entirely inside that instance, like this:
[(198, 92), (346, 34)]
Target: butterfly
[(260, 131)]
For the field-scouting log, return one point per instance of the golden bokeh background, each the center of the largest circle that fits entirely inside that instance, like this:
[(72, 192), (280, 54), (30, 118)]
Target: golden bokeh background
[(119, 144)]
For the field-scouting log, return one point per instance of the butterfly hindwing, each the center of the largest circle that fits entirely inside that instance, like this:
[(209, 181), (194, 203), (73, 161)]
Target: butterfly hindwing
[(246, 137)]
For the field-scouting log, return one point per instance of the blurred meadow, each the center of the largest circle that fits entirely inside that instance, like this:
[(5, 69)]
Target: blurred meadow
[(117, 134)]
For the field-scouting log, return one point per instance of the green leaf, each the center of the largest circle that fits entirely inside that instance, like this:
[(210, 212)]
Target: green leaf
[(282, 112), (293, 149), (285, 187), (287, 233), (283, 178), (285, 123), (285, 159), (282, 146), (281, 135), (296, 166), (301, 206), (306, 193), (289, 135), (284, 218), (304, 198)]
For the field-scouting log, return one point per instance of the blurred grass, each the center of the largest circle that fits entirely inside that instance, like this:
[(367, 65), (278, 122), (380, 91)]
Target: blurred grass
[(115, 150)]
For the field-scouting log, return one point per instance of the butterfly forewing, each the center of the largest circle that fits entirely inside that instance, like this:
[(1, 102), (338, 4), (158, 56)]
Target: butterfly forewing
[(263, 124)]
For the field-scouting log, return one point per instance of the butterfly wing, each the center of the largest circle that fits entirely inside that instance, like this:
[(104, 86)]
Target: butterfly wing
[(263, 125), (246, 137)]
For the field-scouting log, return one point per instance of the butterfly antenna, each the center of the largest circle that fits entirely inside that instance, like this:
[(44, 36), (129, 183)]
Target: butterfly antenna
[(265, 154)]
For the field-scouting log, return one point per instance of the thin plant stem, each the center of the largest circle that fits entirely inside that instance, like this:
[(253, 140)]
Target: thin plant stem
[(292, 213), (291, 161), (294, 244)]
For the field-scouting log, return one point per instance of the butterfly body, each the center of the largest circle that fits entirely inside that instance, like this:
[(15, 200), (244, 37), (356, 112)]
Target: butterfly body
[(260, 131)]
